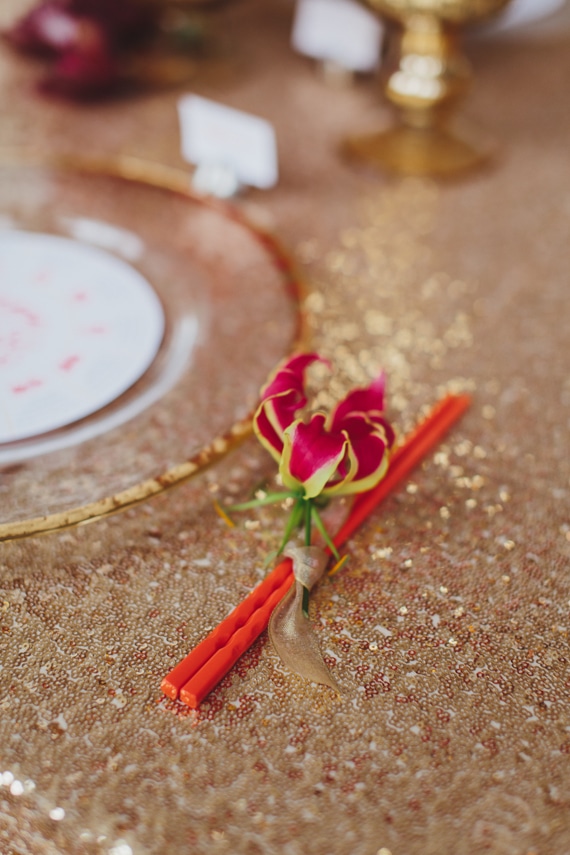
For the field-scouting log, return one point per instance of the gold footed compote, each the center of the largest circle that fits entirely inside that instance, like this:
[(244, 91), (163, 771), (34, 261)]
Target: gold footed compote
[(428, 77)]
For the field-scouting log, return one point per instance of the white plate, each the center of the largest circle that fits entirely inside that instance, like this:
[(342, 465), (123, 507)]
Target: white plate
[(198, 305), (78, 326)]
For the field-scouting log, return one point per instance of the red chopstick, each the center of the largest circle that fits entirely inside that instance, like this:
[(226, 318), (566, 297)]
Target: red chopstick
[(204, 680), (196, 675), (427, 434), (223, 633)]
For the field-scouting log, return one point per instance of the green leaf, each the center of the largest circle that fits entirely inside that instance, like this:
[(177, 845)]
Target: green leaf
[(293, 522), (326, 536)]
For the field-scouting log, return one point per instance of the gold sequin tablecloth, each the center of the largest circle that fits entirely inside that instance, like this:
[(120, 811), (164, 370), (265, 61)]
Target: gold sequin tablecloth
[(449, 627)]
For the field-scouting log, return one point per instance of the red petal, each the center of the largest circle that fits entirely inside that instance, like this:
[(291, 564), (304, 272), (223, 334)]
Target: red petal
[(369, 450), (286, 391), (283, 396), (266, 433), (311, 455), (367, 400), (367, 458)]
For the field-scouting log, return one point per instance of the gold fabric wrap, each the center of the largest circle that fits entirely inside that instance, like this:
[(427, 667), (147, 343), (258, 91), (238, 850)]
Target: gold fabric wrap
[(289, 630)]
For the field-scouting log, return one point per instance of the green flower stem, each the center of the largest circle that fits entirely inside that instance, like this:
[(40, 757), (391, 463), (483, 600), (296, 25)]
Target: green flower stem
[(304, 512), (308, 526), (294, 522), (308, 521), (326, 536), (270, 499)]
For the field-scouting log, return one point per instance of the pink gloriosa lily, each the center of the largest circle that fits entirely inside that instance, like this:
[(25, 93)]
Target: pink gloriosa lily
[(340, 454)]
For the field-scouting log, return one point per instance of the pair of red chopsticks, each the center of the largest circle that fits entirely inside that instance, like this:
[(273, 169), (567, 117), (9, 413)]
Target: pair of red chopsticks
[(193, 678)]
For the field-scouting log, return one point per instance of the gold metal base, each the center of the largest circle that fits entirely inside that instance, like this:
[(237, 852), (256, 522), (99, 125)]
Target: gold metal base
[(439, 151)]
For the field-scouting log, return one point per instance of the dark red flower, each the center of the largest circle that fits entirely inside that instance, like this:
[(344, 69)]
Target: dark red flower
[(87, 39), (47, 30), (83, 74)]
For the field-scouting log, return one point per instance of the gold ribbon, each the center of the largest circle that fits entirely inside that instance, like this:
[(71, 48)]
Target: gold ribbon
[(289, 630)]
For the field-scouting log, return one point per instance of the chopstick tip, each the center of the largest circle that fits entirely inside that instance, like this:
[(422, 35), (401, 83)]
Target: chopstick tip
[(169, 689), (189, 698)]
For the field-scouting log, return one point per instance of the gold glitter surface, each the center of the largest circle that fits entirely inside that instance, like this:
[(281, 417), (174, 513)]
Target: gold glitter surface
[(448, 628)]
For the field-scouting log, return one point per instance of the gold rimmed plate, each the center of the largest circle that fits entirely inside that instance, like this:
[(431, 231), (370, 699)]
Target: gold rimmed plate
[(229, 303)]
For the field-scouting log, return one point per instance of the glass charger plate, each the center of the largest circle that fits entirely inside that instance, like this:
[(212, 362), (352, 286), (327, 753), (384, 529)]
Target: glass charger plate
[(231, 312)]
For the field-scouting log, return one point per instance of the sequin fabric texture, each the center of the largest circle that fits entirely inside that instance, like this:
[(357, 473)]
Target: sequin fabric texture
[(448, 628)]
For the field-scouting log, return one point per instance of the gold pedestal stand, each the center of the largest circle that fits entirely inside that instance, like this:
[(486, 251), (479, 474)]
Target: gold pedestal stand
[(430, 76)]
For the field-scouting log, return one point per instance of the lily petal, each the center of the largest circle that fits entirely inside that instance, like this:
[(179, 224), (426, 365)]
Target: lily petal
[(368, 465), (281, 399), (289, 375), (366, 400), (269, 418), (311, 455)]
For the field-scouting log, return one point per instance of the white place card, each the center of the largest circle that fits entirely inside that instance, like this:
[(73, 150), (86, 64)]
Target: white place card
[(214, 135), (78, 326), (339, 31)]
